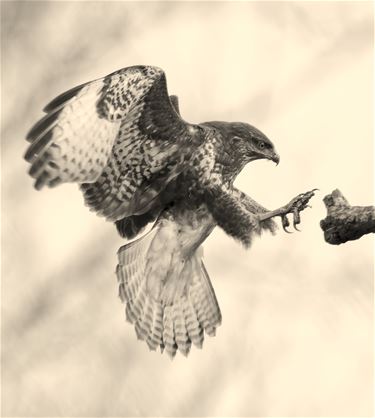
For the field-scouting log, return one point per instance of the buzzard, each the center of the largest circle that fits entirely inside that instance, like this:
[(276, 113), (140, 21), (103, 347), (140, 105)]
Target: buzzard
[(122, 139)]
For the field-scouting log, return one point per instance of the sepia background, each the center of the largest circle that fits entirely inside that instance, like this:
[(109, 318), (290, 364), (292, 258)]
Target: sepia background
[(297, 331)]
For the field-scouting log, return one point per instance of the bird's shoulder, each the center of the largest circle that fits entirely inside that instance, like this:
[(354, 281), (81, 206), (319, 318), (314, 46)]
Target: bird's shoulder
[(212, 162)]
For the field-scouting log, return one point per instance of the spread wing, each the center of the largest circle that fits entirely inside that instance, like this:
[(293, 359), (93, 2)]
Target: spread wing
[(119, 137)]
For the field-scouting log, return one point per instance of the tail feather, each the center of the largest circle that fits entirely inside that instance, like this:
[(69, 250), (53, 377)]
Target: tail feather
[(122, 290), (134, 305), (144, 323), (194, 329), (129, 314), (211, 305), (168, 332), (181, 335), (139, 301), (199, 306), (155, 336), (170, 301)]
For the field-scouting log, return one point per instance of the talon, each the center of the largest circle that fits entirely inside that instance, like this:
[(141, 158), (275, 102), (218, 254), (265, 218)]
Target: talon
[(296, 219), (295, 206), (285, 224)]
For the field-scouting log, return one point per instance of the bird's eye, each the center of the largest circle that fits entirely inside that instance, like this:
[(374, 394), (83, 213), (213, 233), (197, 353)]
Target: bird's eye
[(261, 145)]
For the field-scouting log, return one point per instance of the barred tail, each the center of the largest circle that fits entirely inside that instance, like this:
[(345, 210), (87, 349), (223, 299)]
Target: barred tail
[(169, 300)]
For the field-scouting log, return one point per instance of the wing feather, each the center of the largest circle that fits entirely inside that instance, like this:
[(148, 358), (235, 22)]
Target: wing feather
[(73, 138), (120, 137), (61, 99), (43, 125)]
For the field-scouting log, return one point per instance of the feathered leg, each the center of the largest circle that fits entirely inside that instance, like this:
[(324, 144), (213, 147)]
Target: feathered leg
[(232, 215), (242, 217)]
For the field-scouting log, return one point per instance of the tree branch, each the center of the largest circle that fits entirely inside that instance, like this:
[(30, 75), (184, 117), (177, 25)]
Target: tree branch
[(344, 222)]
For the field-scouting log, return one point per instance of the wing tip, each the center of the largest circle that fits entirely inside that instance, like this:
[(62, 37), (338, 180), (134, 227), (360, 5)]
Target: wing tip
[(43, 125), (62, 98)]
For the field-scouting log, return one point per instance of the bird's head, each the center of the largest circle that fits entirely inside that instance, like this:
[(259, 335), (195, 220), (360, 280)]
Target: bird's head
[(246, 141)]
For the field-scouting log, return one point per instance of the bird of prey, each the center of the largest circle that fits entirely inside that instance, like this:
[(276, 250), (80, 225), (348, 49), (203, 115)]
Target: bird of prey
[(122, 139)]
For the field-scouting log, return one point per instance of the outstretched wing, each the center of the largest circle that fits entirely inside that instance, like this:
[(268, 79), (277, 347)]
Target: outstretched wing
[(119, 137)]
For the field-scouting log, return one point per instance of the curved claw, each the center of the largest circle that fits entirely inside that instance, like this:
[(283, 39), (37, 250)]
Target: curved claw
[(295, 206), (285, 224), (296, 219)]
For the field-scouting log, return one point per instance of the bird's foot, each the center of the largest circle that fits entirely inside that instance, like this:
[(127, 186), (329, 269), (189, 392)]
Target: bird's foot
[(294, 207)]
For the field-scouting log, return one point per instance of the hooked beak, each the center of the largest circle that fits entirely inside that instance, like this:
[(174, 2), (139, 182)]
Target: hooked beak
[(275, 158)]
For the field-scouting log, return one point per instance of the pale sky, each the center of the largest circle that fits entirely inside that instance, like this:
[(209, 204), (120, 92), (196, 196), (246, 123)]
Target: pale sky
[(297, 331)]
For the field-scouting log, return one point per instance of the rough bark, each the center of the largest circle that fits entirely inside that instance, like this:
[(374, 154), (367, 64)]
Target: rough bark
[(345, 222)]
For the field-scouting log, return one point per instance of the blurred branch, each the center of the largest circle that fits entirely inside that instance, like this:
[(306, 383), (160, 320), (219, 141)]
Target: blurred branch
[(344, 222)]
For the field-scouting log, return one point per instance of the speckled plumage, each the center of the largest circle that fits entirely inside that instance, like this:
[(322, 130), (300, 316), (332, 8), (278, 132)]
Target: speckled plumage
[(136, 160)]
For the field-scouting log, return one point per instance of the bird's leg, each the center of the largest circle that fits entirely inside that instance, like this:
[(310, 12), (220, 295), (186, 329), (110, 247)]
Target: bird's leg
[(231, 214), (256, 208), (294, 207)]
